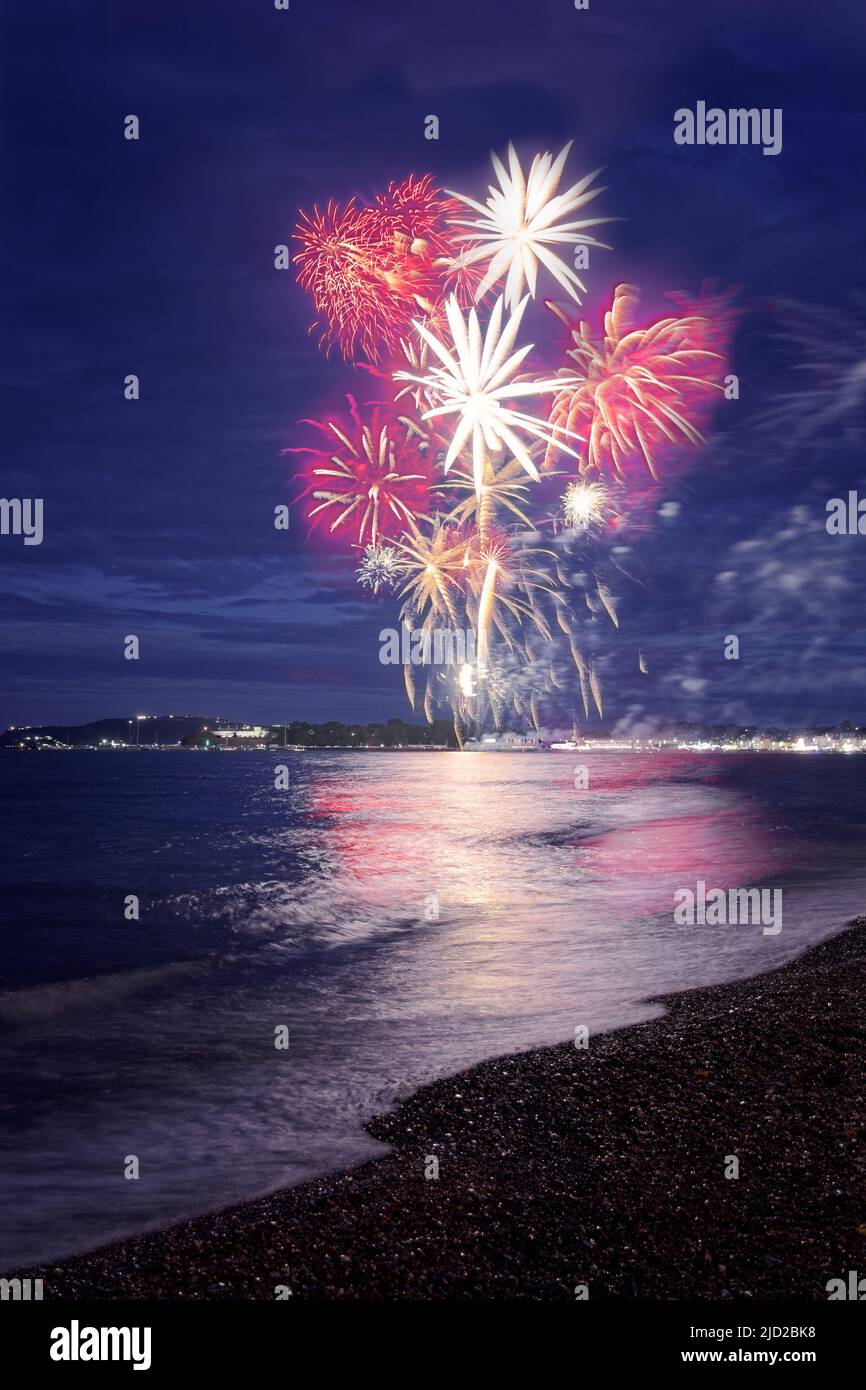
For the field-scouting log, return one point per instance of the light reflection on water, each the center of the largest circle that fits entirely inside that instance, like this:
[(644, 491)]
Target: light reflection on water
[(308, 908)]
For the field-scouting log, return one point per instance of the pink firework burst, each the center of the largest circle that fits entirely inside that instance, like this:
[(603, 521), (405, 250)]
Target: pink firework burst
[(638, 391), (371, 476)]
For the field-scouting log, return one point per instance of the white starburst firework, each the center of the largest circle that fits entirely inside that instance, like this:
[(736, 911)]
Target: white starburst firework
[(379, 568), (585, 505), (521, 222), (474, 381)]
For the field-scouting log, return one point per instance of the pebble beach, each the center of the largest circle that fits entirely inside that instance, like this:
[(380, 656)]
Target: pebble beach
[(599, 1171)]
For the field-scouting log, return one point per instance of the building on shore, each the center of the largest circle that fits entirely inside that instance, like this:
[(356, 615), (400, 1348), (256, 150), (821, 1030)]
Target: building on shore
[(243, 731)]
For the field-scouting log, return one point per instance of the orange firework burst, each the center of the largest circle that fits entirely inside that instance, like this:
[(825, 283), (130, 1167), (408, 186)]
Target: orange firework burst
[(639, 390), (371, 476)]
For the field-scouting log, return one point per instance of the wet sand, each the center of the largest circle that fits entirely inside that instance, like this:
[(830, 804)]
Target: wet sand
[(561, 1167)]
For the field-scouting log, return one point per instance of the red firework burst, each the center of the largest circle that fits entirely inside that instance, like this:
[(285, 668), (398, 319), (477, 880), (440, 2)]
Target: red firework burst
[(372, 270), (417, 212), (414, 209), (371, 476), (366, 287), (640, 390)]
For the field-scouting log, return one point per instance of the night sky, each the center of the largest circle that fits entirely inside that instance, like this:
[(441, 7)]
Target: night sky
[(156, 257)]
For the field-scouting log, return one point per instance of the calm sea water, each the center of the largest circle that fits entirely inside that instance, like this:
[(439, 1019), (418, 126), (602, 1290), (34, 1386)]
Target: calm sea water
[(312, 908)]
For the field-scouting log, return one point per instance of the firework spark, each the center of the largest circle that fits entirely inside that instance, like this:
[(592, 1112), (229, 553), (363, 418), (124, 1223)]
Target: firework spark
[(371, 475), (475, 382), (637, 389), (521, 221)]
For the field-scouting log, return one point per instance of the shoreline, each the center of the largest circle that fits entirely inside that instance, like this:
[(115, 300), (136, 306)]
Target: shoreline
[(561, 1167)]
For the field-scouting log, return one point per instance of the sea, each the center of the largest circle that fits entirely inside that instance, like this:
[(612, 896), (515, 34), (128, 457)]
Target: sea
[(220, 972)]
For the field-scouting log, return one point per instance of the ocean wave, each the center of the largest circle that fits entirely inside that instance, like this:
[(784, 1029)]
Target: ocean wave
[(50, 1000), (325, 915)]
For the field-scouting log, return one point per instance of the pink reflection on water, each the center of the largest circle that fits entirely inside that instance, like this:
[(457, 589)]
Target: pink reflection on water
[(730, 844), (510, 833)]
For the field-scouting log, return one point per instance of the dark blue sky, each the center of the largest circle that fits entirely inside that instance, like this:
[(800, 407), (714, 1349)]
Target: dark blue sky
[(156, 257)]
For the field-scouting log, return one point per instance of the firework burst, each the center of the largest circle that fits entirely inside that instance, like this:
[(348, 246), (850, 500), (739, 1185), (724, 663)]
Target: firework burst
[(414, 209), (514, 233), (366, 285), (638, 389), (475, 382), (414, 217), (379, 568), (434, 566), (586, 505), (372, 476), (371, 270), (394, 285)]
